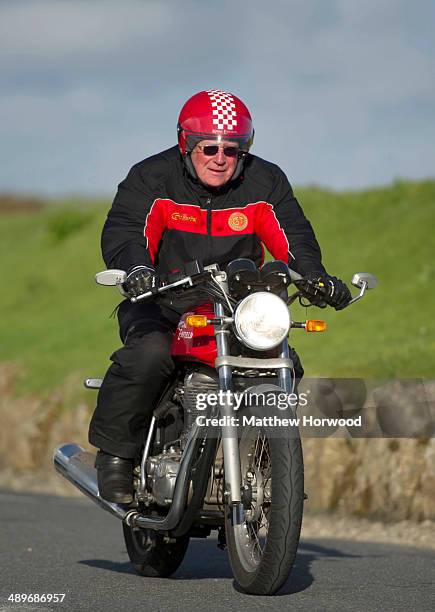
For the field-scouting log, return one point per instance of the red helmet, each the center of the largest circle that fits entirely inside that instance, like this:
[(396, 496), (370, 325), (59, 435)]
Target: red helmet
[(214, 115)]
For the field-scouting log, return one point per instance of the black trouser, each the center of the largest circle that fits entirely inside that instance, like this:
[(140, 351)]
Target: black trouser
[(136, 378)]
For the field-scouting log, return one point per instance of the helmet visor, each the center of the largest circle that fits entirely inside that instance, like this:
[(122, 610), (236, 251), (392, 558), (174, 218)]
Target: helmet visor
[(192, 139)]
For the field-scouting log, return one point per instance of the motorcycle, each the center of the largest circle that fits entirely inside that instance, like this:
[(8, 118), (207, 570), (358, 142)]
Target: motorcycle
[(211, 461)]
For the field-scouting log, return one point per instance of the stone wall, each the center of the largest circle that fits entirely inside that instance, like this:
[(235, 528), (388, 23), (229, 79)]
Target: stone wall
[(384, 478)]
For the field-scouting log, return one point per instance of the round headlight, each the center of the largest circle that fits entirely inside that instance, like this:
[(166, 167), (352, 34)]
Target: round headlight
[(262, 320)]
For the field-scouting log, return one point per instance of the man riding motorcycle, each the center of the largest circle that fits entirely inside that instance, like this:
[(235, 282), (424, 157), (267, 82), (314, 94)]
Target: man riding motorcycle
[(207, 199)]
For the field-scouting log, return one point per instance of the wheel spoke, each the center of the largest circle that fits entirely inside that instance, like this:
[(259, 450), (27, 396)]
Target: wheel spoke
[(258, 470)]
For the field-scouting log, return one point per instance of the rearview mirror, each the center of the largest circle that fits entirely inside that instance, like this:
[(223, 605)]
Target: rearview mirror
[(360, 278), (110, 277)]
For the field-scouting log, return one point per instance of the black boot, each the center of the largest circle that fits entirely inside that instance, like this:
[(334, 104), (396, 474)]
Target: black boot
[(115, 478)]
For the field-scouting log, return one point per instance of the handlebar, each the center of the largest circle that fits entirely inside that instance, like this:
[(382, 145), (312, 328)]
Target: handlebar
[(212, 270), (361, 280)]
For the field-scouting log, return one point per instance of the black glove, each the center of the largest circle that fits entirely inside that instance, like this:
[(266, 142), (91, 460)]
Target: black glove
[(140, 279), (323, 289)]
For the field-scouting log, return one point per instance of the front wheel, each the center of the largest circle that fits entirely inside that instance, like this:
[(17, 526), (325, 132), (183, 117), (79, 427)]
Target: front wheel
[(149, 553), (262, 549)]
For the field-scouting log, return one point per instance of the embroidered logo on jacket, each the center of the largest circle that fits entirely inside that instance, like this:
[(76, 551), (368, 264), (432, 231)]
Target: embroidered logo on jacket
[(237, 221), (183, 217)]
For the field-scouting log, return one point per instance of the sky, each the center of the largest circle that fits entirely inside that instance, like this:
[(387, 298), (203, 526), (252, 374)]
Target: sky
[(342, 92)]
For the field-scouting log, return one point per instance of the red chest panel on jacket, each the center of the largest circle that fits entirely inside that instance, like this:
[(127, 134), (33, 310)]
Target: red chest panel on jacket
[(254, 218), (195, 343)]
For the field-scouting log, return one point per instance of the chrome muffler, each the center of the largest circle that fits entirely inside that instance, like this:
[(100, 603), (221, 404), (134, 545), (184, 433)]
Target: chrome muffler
[(77, 465)]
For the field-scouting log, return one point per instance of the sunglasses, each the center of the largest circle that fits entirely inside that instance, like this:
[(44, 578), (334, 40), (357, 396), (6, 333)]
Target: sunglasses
[(210, 150)]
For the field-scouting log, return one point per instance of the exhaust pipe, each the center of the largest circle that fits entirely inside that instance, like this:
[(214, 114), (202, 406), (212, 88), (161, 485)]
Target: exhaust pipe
[(77, 465)]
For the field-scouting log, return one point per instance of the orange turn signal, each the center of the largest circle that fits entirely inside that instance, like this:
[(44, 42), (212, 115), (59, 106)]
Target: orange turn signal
[(314, 325), (196, 321)]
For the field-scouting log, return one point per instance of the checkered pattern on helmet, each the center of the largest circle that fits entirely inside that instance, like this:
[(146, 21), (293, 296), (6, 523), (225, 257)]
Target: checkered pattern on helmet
[(223, 108)]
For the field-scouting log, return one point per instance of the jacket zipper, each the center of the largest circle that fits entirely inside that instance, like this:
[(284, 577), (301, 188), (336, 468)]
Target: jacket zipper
[(208, 205), (209, 246)]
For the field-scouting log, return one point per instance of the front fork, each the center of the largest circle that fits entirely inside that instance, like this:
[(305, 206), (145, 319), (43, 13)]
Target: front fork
[(233, 476), (230, 445)]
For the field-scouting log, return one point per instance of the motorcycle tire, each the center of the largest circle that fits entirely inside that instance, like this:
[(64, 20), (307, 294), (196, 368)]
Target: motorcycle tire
[(150, 555), (263, 548)]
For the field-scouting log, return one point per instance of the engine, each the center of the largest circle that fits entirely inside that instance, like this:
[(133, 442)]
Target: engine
[(162, 469), (196, 386)]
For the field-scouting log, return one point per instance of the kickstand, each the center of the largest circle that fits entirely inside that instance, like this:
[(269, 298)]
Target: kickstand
[(222, 539)]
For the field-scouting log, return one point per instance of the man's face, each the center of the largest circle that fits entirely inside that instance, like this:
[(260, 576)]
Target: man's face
[(214, 170)]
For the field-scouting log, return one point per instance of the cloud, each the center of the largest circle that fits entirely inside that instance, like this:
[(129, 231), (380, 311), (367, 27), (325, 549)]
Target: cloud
[(53, 31), (341, 92)]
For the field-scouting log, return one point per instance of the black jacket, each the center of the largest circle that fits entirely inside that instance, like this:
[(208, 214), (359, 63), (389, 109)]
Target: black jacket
[(163, 218)]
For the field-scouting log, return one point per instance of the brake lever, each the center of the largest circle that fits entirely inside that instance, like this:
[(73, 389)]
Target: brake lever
[(312, 292), (184, 281)]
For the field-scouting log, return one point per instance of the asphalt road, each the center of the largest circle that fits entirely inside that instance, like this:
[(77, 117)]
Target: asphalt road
[(60, 545)]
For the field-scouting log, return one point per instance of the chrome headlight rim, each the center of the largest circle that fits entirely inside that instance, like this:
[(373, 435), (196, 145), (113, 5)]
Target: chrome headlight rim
[(241, 335)]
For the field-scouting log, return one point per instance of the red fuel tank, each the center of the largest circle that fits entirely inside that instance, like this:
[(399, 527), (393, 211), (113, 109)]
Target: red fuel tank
[(195, 343)]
